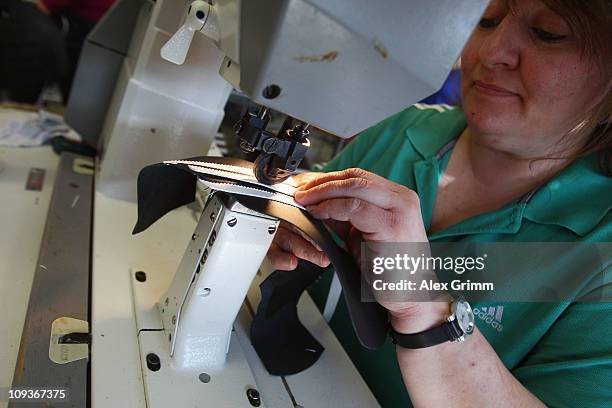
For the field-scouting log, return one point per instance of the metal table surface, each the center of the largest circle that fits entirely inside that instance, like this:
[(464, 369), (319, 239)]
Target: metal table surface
[(23, 215)]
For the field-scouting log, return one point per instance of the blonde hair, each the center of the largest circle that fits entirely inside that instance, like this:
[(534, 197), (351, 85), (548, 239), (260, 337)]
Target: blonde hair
[(591, 23)]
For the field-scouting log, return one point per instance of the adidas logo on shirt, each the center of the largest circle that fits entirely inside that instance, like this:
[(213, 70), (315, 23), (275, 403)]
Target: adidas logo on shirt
[(491, 316)]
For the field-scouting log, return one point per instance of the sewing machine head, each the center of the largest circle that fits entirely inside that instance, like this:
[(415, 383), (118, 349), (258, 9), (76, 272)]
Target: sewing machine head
[(340, 66), (278, 155)]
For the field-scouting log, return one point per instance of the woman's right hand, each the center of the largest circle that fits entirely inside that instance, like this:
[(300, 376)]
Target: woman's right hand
[(289, 245)]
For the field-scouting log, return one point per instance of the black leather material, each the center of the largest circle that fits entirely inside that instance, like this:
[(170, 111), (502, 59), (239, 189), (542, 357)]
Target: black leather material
[(369, 319), (163, 187), (448, 331), (284, 345)]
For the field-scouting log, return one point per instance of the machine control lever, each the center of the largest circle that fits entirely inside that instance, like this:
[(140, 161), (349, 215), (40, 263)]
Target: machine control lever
[(175, 50)]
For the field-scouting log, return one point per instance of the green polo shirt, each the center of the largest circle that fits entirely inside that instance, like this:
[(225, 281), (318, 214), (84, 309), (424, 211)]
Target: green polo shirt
[(562, 352)]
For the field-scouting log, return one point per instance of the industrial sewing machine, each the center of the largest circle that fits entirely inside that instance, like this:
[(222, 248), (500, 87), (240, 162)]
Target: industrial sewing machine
[(165, 332)]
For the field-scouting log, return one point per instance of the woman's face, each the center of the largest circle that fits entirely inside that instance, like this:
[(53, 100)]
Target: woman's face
[(524, 81)]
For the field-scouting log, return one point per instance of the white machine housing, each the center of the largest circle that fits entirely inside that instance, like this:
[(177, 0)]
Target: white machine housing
[(159, 111), (190, 327), (340, 65), (211, 282)]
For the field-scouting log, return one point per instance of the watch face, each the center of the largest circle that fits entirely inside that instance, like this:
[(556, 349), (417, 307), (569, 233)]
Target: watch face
[(465, 317)]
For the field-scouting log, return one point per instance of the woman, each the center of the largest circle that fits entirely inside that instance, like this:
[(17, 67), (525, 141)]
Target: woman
[(526, 159)]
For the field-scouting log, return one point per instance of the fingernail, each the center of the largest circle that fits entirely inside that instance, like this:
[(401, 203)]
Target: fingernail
[(324, 260)]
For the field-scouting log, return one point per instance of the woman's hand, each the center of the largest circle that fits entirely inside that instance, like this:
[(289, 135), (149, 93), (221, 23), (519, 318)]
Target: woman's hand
[(382, 211), (362, 206), (290, 244), (358, 205)]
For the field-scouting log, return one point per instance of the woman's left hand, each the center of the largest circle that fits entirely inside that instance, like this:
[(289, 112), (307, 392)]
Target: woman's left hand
[(379, 210)]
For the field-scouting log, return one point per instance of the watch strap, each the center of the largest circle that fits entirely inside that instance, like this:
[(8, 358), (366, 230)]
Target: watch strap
[(448, 331)]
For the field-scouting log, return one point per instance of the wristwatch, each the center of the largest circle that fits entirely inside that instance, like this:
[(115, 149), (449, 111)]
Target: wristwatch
[(458, 327)]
